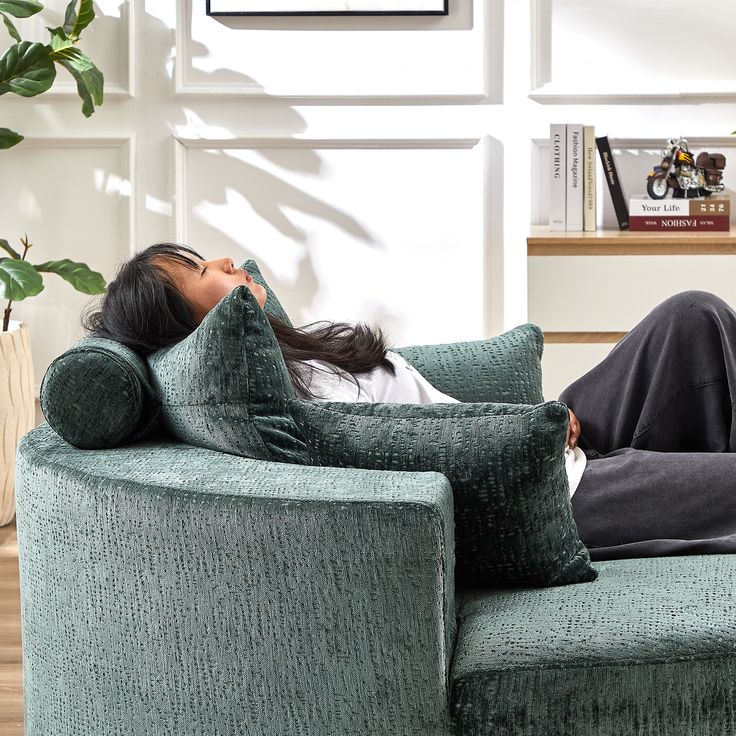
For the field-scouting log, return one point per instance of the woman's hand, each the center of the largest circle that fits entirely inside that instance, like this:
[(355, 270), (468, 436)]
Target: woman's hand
[(573, 431)]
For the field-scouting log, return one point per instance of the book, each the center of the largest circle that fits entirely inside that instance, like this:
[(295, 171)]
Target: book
[(589, 179), (662, 207), (679, 223), (558, 185), (574, 169), (613, 180)]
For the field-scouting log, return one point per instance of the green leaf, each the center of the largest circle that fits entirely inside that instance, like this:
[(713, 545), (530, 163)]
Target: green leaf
[(79, 275), (20, 8), (88, 77), (9, 248), (59, 41), (9, 138), (75, 23), (12, 30), (26, 69), (18, 279)]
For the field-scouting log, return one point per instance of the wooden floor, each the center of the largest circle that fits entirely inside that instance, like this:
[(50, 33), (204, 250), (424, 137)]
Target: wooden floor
[(11, 674)]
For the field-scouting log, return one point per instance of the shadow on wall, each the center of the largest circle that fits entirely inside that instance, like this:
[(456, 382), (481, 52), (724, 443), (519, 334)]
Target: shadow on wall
[(240, 186)]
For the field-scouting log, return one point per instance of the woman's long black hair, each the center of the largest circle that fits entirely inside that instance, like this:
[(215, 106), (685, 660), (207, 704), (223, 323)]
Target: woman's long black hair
[(144, 309)]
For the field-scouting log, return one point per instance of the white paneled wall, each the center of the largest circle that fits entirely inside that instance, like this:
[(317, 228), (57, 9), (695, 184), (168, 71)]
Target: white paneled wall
[(381, 169)]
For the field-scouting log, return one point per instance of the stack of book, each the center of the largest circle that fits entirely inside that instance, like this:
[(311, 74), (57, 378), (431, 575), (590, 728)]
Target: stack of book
[(572, 194), (673, 215), (573, 182)]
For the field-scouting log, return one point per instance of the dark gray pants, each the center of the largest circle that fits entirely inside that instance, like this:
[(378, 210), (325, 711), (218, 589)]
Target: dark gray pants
[(657, 427)]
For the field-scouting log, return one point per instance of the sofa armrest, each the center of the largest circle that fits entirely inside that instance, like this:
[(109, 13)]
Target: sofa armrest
[(172, 589), (505, 368)]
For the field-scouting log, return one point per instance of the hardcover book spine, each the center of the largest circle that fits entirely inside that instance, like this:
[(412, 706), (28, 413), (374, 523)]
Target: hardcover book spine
[(712, 206), (656, 223), (662, 207), (614, 182), (557, 190), (574, 208), (589, 193)]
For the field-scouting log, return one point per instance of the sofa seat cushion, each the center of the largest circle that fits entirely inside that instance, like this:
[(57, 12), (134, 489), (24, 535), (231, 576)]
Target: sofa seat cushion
[(647, 648)]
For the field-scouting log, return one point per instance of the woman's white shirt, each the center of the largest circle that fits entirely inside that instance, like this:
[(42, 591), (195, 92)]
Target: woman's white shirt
[(408, 386)]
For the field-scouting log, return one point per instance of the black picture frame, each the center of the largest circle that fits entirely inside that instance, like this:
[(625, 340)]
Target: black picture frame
[(234, 13)]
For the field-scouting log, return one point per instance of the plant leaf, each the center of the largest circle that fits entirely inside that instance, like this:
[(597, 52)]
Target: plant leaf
[(75, 23), (9, 248), (9, 138), (18, 279), (88, 77), (59, 41), (20, 8), (12, 30), (79, 275), (26, 69)]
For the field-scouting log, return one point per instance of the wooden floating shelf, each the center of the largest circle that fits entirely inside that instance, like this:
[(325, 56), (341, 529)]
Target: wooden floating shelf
[(543, 242)]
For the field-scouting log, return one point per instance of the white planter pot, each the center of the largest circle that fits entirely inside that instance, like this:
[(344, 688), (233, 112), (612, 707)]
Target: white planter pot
[(17, 407)]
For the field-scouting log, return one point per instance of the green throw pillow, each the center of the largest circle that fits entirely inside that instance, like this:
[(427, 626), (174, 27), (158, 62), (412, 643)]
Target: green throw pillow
[(272, 305), (505, 462), (226, 387)]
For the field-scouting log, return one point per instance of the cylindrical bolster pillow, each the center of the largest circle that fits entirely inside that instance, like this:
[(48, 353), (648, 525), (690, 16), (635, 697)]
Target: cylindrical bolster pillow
[(98, 394)]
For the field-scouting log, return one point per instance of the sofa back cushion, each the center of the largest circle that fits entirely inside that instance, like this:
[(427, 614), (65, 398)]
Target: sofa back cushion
[(505, 463), (506, 368)]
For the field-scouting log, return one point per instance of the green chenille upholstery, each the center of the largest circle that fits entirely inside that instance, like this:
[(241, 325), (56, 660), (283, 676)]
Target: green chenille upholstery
[(506, 368), (173, 590), (273, 305), (506, 466), (226, 387), (169, 589), (648, 648), (98, 394)]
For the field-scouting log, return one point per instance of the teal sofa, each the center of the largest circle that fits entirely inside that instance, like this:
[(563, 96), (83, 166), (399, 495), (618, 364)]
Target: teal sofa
[(172, 590)]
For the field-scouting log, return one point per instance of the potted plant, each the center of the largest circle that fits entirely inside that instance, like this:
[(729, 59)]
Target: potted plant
[(29, 69)]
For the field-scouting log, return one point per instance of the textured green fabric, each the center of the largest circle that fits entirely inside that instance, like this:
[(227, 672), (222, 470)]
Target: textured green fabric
[(505, 463), (226, 386), (506, 368), (98, 394), (172, 590), (648, 648), (273, 305)]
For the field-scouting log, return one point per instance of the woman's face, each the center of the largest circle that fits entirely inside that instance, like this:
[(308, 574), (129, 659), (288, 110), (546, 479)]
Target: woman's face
[(204, 287)]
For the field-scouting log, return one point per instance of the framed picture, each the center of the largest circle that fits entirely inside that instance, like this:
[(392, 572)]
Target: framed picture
[(327, 7)]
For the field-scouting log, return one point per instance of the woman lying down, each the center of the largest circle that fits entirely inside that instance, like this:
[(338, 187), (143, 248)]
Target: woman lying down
[(651, 446)]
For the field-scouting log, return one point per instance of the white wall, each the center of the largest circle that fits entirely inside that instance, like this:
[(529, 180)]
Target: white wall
[(378, 169)]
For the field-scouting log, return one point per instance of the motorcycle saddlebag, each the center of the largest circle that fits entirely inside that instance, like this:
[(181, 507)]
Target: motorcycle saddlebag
[(707, 160)]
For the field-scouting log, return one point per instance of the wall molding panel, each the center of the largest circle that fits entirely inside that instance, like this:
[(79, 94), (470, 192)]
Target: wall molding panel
[(485, 241), (478, 19), (551, 87)]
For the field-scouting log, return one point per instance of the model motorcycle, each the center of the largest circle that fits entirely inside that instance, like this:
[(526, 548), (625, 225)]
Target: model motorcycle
[(683, 174)]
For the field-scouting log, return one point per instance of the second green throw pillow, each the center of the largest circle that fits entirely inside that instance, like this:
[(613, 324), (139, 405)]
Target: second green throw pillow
[(505, 462)]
